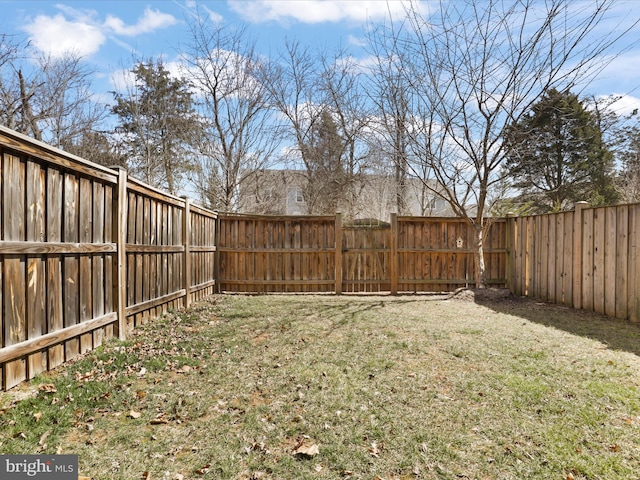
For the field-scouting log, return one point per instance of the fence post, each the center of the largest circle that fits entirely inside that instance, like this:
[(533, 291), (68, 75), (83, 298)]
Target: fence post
[(216, 255), (186, 242), (338, 256), (120, 293), (393, 260), (577, 254)]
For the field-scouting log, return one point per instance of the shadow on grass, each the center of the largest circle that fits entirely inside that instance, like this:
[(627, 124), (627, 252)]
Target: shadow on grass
[(615, 333)]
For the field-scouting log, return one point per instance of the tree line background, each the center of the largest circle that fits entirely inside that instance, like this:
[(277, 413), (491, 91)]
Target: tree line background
[(486, 104)]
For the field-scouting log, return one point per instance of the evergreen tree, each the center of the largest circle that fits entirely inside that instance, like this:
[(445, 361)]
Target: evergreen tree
[(556, 155), (326, 173), (157, 126), (630, 161)]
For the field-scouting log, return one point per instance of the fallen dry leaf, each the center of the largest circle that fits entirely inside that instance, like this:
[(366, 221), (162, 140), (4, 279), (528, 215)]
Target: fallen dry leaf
[(204, 469), (159, 420), (374, 451), (47, 388), (134, 414), (307, 450), (37, 416), (43, 437)]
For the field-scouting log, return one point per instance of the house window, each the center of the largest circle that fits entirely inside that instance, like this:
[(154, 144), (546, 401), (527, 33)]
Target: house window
[(299, 196)]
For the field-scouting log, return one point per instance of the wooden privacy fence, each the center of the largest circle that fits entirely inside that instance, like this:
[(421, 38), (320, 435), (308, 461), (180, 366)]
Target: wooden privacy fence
[(87, 253), (588, 258), (321, 254)]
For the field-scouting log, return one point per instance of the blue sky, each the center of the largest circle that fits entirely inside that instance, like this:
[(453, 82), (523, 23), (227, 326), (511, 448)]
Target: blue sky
[(109, 34)]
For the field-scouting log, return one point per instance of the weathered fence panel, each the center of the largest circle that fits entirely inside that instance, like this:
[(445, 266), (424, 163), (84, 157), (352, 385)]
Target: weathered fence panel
[(53, 257), (306, 254), (276, 254), (437, 254), (86, 254), (366, 258), (586, 259)]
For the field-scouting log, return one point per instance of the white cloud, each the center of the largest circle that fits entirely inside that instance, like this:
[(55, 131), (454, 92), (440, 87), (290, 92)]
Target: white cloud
[(213, 16), (356, 41), (79, 32), (58, 36), (621, 104), (151, 20), (317, 11)]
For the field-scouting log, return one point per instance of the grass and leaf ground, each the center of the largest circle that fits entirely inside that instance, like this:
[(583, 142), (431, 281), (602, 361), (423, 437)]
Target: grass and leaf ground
[(348, 387)]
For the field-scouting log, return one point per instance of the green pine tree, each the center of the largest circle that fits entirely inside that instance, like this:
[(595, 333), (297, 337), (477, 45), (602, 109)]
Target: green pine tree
[(556, 155)]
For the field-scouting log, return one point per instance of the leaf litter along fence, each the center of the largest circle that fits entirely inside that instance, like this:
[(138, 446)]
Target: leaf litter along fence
[(87, 253)]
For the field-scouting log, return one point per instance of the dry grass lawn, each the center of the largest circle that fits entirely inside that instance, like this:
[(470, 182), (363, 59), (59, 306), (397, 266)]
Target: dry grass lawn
[(348, 387)]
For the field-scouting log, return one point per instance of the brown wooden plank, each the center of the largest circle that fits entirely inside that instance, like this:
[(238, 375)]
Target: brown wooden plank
[(71, 297), (36, 272), (97, 267), (85, 233), (14, 278), (549, 266), (622, 261), (633, 284), (610, 253), (567, 248), (52, 156), (559, 268), (186, 260), (54, 264), (49, 340), (578, 247), (587, 258), (599, 247)]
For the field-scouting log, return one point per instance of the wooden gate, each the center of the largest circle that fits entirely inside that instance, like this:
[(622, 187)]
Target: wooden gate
[(366, 258)]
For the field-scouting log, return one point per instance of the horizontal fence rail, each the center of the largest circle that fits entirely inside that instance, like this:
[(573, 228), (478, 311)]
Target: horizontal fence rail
[(87, 253)]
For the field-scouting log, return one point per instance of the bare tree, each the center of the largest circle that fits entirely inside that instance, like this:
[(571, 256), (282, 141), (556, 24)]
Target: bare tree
[(49, 99), (390, 93), (476, 68), (70, 115), (292, 79), (341, 85), (238, 137), (320, 97)]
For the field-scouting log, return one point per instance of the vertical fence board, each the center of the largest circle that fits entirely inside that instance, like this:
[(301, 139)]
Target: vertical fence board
[(567, 249), (599, 248), (622, 261), (85, 232), (610, 254), (54, 264), (558, 269), (71, 263), (633, 284), (14, 266), (587, 258), (36, 272)]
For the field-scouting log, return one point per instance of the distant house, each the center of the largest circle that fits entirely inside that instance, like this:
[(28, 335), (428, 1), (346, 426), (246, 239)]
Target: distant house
[(282, 192)]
